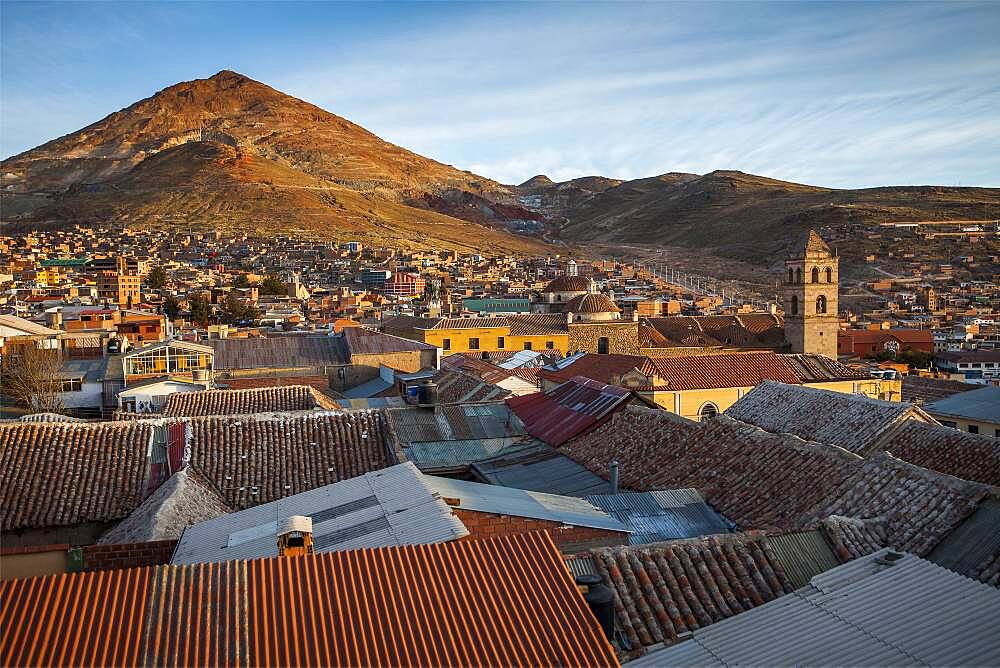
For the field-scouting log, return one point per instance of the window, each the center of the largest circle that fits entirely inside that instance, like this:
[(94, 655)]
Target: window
[(815, 275), (829, 275), (446, 344), (795, 305), (948, 423), (549, 345), (473, 343), (821, 304), (602, 345), (973, 429), (527, 345), (708, 410), (798, 274), (791, 276), (71, 385), (500, 342)]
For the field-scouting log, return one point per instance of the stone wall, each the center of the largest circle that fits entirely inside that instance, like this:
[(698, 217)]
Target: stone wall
[(623, 337)]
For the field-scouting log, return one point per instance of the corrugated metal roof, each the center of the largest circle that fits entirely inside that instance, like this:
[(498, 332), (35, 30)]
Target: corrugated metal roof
[(506, 601), (571, 409), (394, 506), (431, 455), (862, 613), (803, 555), (458, 423), (972, 542), (282, 352), (982, 404), (540, 468), (522, 503), (662, 515)]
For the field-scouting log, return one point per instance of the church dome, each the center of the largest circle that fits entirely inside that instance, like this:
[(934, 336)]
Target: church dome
[(568, 284), (591, 303)]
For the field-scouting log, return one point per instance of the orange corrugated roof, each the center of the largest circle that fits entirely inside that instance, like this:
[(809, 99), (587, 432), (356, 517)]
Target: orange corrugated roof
[(505, 601)]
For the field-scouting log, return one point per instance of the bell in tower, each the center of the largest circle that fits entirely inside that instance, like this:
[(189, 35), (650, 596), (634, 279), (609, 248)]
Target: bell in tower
[(811, 282)]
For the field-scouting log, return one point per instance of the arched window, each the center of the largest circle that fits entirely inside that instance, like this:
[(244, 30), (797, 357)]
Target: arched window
[(829, 275), (798, 274), (791, 276), (821, 304), (558, 298), (707, 411), (815, 275), (795, 305), (602, 345)]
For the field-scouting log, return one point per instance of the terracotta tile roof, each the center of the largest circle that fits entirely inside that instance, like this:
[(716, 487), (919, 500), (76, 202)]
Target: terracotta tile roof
[(476, 366), (665, 589), (819, 368), (362, 341), (253, 460), (650, 338), (602, 368), (537, 324), (919, 507), (186, 498), (505, 601), (60, 474), (591, 303), (571, 409), (853, 422), (691, 372), (470, 323), (456, 386), (568, 284), (919, 390), (852, 538), (238, 402), (754, 478), (752, 330), (970, 456)]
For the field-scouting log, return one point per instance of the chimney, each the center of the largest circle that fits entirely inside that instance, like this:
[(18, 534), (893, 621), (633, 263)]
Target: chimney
[(569, 317), (295, 536), (614, 476), (601, 600)]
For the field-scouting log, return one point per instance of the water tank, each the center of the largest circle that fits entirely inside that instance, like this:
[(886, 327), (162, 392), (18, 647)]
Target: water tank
[(427, 393), (601, 600)]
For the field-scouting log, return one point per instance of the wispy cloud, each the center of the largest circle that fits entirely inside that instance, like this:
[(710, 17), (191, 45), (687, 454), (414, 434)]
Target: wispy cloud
[(835, 94)]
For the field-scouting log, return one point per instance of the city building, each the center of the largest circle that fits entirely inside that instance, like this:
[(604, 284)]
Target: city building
[(811, 298)]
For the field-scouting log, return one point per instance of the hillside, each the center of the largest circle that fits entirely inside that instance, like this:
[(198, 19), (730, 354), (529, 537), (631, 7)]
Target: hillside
[(230, 151), (749, 216)]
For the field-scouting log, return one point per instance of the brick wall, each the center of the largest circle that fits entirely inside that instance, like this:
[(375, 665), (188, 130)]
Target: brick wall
[(128, 555), (567, 538)]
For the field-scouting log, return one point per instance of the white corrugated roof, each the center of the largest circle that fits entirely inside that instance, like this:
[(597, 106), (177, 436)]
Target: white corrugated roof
[(866, 612), (522, 503), (393, 506)]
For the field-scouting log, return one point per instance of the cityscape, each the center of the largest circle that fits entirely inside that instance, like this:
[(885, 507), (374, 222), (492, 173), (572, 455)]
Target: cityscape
[(277, 390)]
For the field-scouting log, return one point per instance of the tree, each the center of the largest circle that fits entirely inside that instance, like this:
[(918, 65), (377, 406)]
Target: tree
[(156, 279), (241, 281), (201, 310), (171, 307), (272, 285), (30, 376), (234, 311)]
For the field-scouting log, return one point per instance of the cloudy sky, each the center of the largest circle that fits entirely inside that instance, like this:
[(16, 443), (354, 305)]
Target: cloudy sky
[(843, 94)]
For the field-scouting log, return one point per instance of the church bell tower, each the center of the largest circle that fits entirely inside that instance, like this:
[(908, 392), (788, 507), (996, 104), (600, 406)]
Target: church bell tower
[(812, 278)]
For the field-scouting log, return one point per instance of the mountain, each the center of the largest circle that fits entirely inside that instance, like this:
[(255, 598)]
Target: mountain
[(229, 151), (744, 215)]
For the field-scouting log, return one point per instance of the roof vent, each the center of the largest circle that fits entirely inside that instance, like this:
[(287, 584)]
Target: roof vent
[(295, 536), (890, 558)]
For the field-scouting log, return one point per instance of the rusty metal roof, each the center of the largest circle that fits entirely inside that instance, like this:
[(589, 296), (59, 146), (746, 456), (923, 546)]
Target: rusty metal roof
[(505, 601), (573, 408)]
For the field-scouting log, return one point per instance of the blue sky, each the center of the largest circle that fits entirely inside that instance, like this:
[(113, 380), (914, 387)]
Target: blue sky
[(844, 94)]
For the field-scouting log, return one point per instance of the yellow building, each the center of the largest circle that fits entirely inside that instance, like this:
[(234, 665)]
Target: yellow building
[(541, 332), (702, 386)]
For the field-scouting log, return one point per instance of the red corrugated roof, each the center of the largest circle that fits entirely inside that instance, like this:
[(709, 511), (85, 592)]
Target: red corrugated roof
[(573, 408), (507, 601)]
